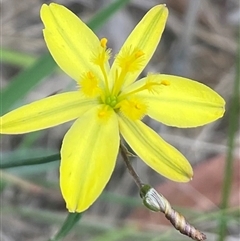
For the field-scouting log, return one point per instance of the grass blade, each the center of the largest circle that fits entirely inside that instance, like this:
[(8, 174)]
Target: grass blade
[(29, 161), (232, 131), (69, 223)]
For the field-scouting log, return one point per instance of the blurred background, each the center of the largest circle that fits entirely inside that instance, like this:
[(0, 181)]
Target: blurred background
[(199, 42)]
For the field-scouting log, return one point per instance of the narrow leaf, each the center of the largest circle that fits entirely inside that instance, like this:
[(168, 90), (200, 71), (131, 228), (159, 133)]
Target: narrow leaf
[(69, 223), (29, 161)]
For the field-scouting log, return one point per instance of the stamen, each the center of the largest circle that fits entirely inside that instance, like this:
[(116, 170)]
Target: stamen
[(152, 84), (103, 42), (119, 79), (104, 113), (139, 54), (100, 58), (102, 67), (90, 75), (130, 60), (102, 54), (133, 108), (90, 84), (165, 82)]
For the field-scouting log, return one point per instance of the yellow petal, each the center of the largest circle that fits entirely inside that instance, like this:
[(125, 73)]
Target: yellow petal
[(45, 113), (70, 41), (88, 157), (145, 37), (182, 102), (154, 151)]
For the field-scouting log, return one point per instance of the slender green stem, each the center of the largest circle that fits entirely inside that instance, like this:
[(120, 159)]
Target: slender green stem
[(233, 126), (124, 153), (158, 203)]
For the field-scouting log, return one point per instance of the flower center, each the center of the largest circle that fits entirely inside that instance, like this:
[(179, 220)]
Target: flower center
[(111, 100), (129, 60)]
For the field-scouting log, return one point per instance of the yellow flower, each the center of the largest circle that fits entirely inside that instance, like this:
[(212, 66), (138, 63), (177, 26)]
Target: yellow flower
[(109, 102)]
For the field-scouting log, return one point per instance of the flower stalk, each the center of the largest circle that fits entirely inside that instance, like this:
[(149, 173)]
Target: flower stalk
[(156, 202)]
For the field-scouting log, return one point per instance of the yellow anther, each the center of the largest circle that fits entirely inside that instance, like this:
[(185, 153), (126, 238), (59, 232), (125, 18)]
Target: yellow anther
[(101, 113), (138, 106), (89, 84), (101, 55), (139, 54), (133, 108), (90, 75), (104, 113), (130, 59), (165, 82), (103, 42)]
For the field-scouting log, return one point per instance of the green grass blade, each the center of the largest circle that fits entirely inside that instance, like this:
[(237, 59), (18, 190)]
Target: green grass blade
[(29, 161), (100, 18), (69, 223), (232, 131), (16, 58), (26, 80)]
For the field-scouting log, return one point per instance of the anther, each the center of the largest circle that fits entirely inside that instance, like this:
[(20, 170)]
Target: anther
[(165, 82), (103, 43), (90, 75), (139, 54)]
